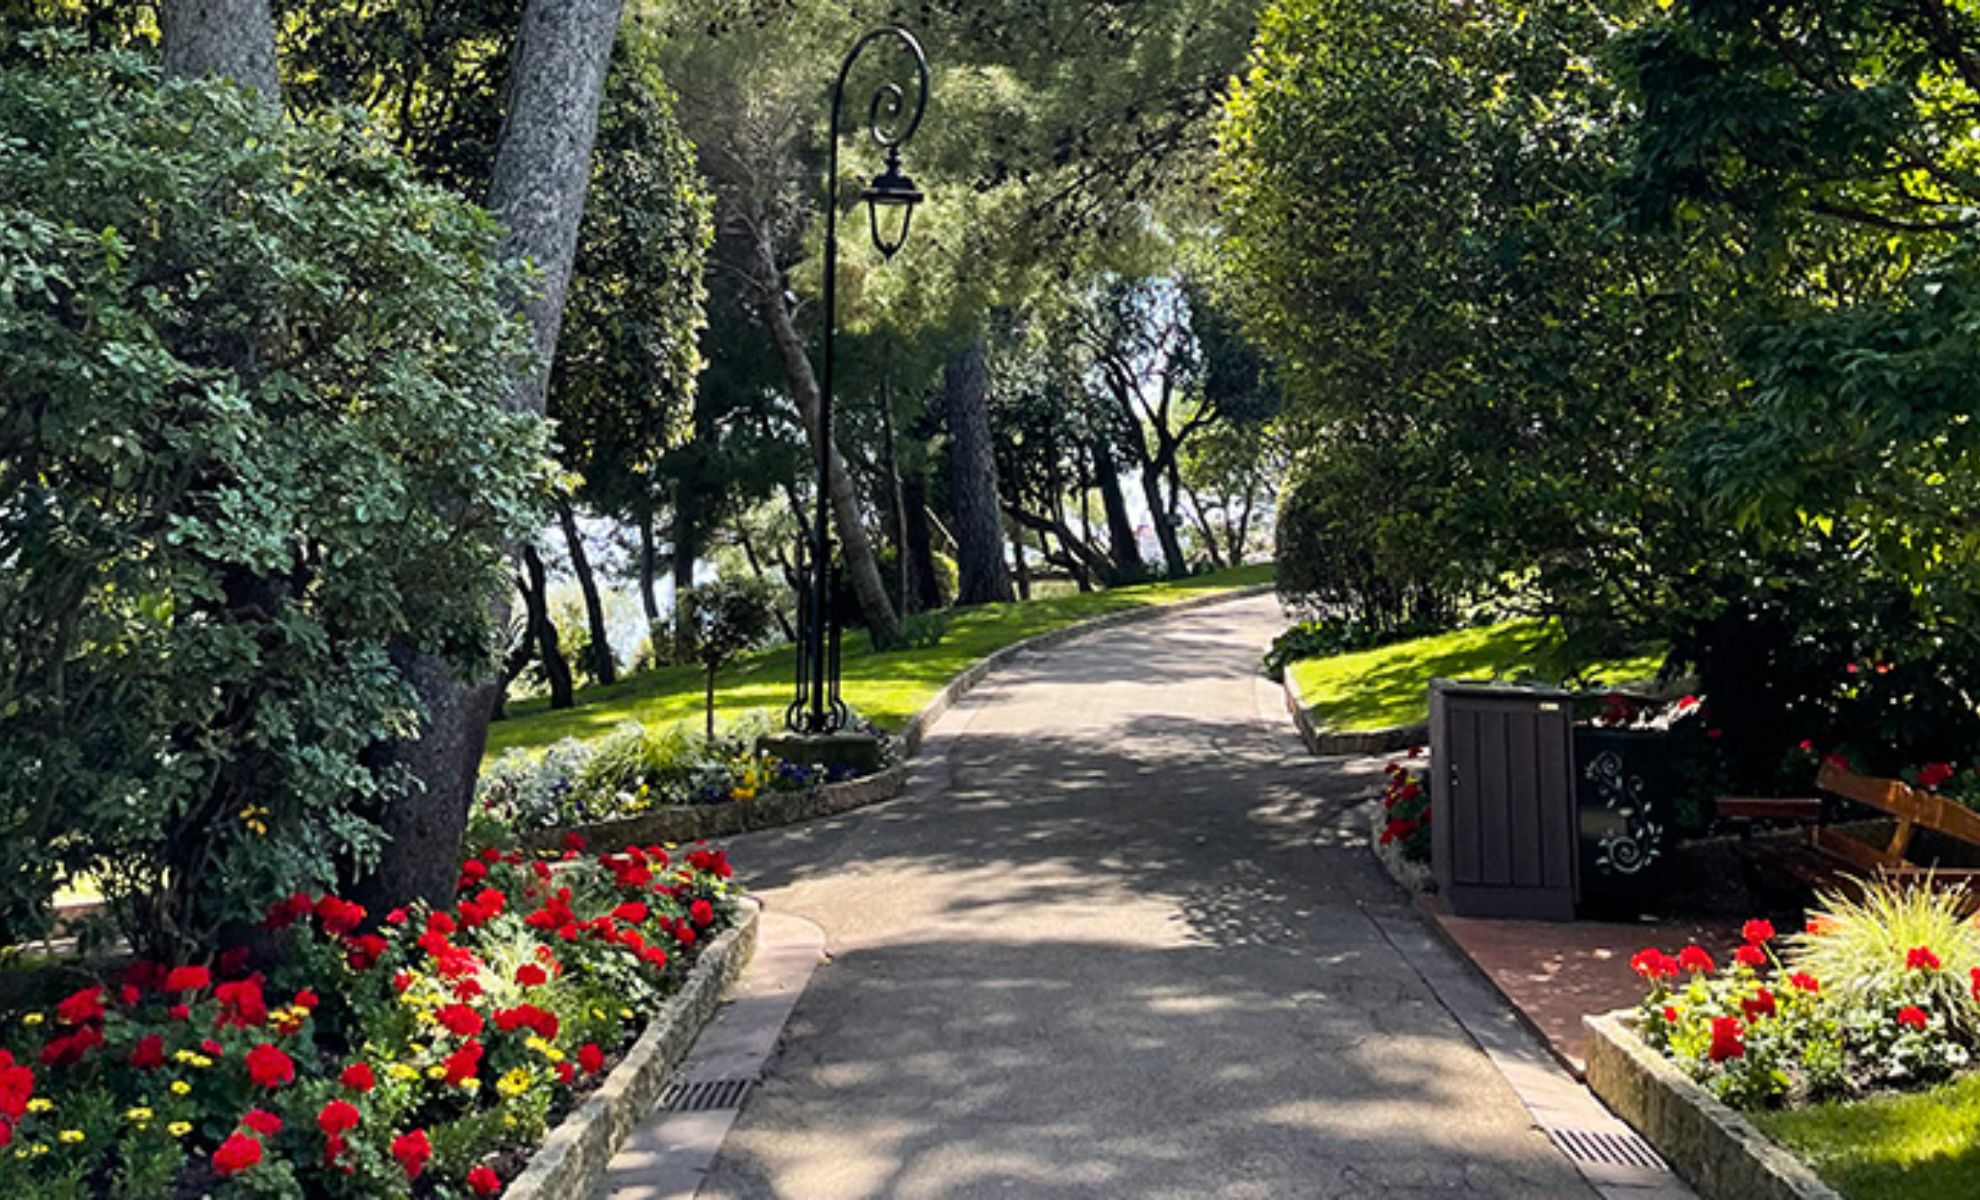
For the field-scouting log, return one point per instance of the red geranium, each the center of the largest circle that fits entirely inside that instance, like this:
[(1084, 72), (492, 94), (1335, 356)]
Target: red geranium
[(69, 1049), (1913, 1017), (149, 1052), (531, 975), (412, 1150), (339, 916), (236, 1154), (1726, 1040), (591, 1058), (1750, 955), (337, 1118), (268, 1066), (461, 1065), (366, 950), (188, 979), (1691, 958), (1931, 775), (484, 1181), (702, 913), (358, 1077), (1761, 1004), (632, 912), (1652, 963), (1921, 958), (459, 1019), (263, 1122), (81, 1007), (16, 1086), (1805, 982), (1757, 933), (241, 1003)]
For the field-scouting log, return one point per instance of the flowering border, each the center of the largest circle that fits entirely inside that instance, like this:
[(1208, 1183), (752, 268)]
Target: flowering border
[(1720, 1152), (573, 1160)]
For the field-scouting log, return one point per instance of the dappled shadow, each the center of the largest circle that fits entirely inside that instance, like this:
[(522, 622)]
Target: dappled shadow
[(1114, 943)]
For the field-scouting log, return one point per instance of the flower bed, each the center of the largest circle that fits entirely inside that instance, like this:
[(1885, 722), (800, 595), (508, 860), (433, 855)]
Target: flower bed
[(1877, 994), (425, 1057), (631, 772)]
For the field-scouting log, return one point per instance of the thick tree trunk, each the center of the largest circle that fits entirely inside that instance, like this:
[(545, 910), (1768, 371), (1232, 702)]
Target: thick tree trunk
[(542, 168), (1126, 548), (862, 569), (918, 547), (973, 478), (604, 669), (234, 39), (1165, 530)]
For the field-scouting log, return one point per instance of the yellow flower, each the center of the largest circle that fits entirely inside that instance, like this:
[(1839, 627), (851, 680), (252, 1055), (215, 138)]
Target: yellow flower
[(33, 1018), (404, 1071), (436, 1071), (515, 1083), (509, 1119), (40, 1104), (192, 1058), (626, 1014), (38, 1148), (179, 1129), (137, 1114), (180, 1087), (69, 1137)]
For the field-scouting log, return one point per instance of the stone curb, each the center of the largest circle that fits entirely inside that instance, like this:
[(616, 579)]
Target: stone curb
[(692, 822), (572, 1160), (1718, 1151), (1386, 740), (909, 738)]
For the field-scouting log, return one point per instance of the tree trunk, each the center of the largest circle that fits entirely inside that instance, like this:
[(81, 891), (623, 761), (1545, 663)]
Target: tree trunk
[(687, 547), (1121, 541), (1205, 527), (1022, 568), (896, 501), (918, 547), (234, 39), (1165, 530), (542, 168), (973, 478), (556, 671), (604, 669), (647, 599), (862, 570)]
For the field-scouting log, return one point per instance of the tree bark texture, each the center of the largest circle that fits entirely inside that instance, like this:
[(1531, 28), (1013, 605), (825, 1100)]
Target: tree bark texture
[(1126, 549), (542, 168), (604, 669), (233, 39), (978, 525), (918, 546), (556, 670), (862, 569), (647, 599)]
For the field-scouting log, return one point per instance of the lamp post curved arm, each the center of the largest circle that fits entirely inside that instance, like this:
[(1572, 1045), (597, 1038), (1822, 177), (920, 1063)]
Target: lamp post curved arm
[(891, 119)]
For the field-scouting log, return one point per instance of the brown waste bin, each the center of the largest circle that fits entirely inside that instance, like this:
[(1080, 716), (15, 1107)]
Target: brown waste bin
[(1503, 823)]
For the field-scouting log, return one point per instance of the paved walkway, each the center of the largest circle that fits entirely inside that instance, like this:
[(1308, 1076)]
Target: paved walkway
[(1120, 939)]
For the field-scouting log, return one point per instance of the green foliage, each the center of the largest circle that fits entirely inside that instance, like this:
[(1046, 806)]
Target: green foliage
[(246, 363), (722, 618), (921, 630), (1863, 947), (1325, 637)]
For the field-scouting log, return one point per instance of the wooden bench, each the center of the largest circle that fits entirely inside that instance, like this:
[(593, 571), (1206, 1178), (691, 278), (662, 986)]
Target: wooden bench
[(1829, 859)]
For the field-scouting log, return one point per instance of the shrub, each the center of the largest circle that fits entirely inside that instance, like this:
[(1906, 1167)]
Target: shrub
[(243, 358), (425, 1058), (723, 618), (921, 630), (1865, 949), (1325, 637)]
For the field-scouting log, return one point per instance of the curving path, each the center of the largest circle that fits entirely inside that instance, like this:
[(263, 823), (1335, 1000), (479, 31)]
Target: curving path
[(1117, 940)]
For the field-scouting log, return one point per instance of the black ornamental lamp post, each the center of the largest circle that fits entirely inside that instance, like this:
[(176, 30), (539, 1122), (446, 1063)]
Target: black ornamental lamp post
[(890, 202)]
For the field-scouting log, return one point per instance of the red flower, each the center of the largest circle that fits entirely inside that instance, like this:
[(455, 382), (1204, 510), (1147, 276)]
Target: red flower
[(366, 950), (263, 1122), (459, 1019), (1726, 1040), (306, 1000), (396, 917), (16, 1087), (591, 1058), (467, 988), (1761, 1004), (285, 913), (236, 1154), (1757, 933), (655, 957), (1652, 963), (684, 933), (339, 916), (566, 1072), (188, 979), (149, 1052), (241, 1003), (1750, 955), (461, 1065), (574, 841), (1691, 958), (1921, 958), (441, 924), (179, 1012), (1913, 1017), (1838, 761), (269, 1067), (412, 1150), (531, 975), (1804, 982), (80, 1007), (702, 913), (632, 912), (69, 1049), (1670, 1014), (1976, 985), (484, 1181), (1931, 775), (358, 1078), (337, 1118), (473, 871)]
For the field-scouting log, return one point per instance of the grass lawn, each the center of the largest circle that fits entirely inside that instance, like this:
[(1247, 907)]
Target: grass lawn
[(1919, 1147), (1372, 689), (887, 688)]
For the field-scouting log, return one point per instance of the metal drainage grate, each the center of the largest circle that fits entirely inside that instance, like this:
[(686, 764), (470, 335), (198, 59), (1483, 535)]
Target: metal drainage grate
[(1612, 1149), (705, 1095)]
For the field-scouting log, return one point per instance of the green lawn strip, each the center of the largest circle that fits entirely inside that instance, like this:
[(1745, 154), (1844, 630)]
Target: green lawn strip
[(887, 688), (1924, 1146), (1374, 689)]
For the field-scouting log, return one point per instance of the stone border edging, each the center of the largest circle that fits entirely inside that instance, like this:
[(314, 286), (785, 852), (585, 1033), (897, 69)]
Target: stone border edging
[(1712, 1146), (1386, 740), (909, 738), (571, 1162)]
